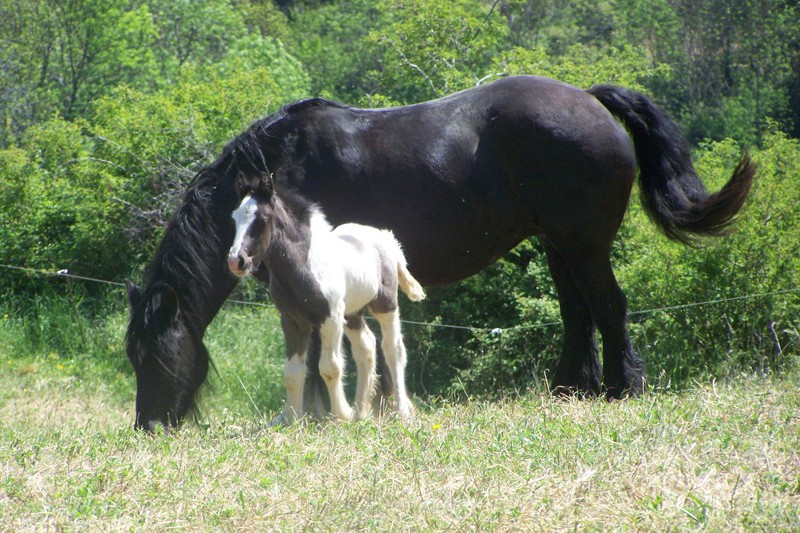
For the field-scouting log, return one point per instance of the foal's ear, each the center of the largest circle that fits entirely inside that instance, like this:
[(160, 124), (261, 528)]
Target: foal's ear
[(134, 294), (266, 185), (238, 185)]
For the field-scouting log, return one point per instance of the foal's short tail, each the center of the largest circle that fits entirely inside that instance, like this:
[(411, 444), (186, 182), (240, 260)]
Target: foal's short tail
[(405, 280), (672, 194), (408, 284)]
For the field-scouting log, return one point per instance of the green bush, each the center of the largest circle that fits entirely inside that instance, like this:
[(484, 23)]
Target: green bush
[(94, 196), (55, 212), (156, 141)]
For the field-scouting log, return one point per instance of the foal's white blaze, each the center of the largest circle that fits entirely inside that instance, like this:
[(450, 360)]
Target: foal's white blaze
[(243, 216)]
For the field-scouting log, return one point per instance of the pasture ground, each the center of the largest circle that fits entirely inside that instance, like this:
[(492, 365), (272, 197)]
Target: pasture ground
[(717, 456)]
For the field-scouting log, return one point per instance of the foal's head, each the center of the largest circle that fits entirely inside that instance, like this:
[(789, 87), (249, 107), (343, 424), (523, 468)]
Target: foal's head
[(254, 220)]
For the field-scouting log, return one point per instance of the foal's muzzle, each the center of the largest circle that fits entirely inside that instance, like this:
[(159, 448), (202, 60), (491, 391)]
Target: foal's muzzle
[(239, 264)]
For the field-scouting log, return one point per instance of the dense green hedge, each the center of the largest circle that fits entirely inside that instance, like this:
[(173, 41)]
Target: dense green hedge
[(95, 155)]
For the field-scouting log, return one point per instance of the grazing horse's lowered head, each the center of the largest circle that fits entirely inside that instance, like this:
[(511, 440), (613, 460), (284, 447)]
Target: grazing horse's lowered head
[(184, 286), (170, 362)]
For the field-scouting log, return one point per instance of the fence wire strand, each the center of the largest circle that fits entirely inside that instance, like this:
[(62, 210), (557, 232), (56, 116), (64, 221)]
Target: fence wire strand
[(66, 274)]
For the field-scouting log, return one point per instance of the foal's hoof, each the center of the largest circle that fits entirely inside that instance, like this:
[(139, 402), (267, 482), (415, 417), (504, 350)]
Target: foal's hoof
[(284, 419), (362, 414), (346, 415)]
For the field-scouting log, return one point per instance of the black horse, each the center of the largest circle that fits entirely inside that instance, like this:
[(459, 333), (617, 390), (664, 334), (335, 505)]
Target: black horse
[(460, 181)]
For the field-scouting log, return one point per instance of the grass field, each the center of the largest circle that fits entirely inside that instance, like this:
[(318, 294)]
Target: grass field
[(716, 456)]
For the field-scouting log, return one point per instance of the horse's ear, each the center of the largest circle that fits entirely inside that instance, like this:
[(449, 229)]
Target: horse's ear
[(134, 294), (169, 301), (163, 304)]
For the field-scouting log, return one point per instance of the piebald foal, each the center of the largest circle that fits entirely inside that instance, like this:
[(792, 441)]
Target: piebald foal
[(323, 278)]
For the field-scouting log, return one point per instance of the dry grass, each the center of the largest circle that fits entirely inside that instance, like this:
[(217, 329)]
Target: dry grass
[(721, 457)]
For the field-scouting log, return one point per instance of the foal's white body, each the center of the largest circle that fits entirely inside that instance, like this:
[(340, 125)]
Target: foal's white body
[(346, 263)]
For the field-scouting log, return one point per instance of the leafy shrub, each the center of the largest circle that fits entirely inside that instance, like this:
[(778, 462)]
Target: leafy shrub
[(56, 212), (745, 331), (94, 197), (157, 141)]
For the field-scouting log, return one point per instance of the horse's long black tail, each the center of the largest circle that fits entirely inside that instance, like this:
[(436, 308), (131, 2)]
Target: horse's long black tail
[(672, 194)]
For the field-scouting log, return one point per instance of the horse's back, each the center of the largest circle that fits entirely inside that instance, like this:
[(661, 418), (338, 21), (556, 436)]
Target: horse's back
[(462, 179), (380, 240)]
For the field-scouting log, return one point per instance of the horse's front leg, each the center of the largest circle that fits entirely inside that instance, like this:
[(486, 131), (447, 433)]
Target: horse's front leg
[(331, 363)]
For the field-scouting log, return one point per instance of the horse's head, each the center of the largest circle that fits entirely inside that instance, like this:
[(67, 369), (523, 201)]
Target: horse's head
[(169, 359), (254, 218)]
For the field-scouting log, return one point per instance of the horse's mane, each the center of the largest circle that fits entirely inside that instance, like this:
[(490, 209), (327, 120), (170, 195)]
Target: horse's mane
[(247, 149), (182, 256)]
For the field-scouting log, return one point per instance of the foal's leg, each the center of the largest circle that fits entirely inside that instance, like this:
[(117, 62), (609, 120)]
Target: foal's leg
[(297, 337), (362, 344), (331, 363), (395, 352)]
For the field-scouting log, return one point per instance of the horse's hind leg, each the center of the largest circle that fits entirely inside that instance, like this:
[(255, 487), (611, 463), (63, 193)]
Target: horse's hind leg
[(394, 350), (578, 370), (623, 370), (362, 344)]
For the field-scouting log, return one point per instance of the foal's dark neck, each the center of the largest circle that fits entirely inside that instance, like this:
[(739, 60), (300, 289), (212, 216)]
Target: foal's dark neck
[(291, 234), (293, 287)]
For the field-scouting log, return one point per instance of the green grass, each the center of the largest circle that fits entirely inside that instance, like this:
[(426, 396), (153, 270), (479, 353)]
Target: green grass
[(716, 456), (46, 343), (721, 457)]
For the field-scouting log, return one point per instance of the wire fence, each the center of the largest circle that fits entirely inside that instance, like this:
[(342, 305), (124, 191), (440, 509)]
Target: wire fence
[(67, 275)]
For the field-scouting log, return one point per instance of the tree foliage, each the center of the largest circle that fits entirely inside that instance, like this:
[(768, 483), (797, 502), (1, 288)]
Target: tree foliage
[(109, 107)]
